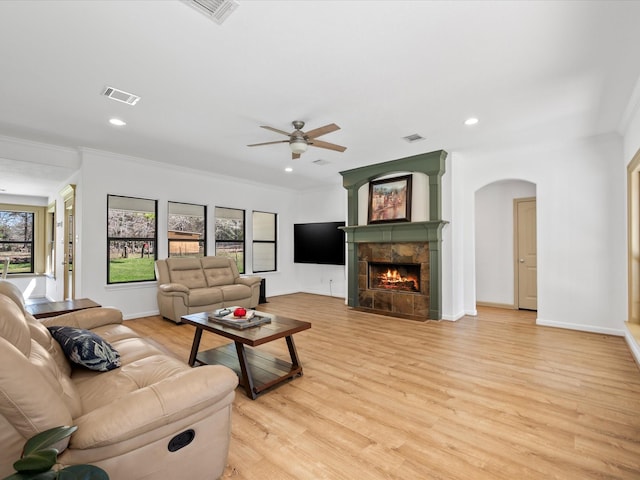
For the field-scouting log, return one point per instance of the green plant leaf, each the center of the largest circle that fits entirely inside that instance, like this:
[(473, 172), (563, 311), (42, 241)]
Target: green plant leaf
[(83, 472), (47, 439), (39, 461)]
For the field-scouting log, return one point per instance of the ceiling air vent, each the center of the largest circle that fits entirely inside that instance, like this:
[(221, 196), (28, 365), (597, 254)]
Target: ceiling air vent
[(216, 10), (413, 138), (320, 161), (121, 96)]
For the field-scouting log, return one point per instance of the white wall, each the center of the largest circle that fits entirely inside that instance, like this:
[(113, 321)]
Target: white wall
[(494, 239), (104, 173), (322, 205), (581, 267)]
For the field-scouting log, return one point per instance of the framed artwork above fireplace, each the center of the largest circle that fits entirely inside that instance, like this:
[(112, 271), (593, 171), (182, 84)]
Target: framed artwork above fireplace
[(390, 200)]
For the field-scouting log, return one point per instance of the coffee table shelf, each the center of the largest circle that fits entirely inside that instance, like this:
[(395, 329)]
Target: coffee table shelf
[(266, 370)]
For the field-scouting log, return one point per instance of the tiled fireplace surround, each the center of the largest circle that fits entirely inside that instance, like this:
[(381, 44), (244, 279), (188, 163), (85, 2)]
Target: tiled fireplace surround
[(403, 303), (401, 242)]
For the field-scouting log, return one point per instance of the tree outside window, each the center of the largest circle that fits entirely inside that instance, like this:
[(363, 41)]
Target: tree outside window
[(187, 226), (17, 240), (230, 235), (131, 239)]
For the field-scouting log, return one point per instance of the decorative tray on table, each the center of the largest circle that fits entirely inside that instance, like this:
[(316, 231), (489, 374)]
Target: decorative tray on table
[(225, 316)]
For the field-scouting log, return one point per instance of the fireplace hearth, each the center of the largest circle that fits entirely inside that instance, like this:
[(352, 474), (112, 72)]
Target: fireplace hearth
[(394, 276)]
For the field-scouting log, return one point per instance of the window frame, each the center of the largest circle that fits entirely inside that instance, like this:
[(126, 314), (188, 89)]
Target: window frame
[(154, 239), (243, 240), (50, 239), (262, 242), (202, 240), (38, 232)]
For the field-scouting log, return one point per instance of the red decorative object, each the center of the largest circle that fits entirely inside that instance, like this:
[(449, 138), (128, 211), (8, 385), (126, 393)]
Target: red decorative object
[(239, 312)]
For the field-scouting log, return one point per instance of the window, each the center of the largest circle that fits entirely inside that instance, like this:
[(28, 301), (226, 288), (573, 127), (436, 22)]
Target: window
[(131, 239), (187, 226), (264, 242), (17, 240), (230, 235)]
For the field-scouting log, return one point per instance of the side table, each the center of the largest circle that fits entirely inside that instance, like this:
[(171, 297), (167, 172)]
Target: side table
[(51, 309)]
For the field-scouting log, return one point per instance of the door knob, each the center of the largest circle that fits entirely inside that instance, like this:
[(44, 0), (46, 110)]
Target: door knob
[(522, 260)]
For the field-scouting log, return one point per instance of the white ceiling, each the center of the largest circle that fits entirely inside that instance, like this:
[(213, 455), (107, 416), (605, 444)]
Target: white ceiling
[(538, 71)]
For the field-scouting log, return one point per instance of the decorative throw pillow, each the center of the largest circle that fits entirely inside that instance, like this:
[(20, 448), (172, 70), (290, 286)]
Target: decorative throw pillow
[(85, 348)]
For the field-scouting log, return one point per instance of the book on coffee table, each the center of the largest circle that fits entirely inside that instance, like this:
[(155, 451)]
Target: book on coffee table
[(251, 319)]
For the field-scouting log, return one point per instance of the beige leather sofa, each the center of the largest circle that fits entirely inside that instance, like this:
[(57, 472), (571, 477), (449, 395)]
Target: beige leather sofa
[(126, 417), (191, 285)]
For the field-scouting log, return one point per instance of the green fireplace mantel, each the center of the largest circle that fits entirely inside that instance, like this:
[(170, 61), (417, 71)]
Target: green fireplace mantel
[(395, 232), (432, 164)]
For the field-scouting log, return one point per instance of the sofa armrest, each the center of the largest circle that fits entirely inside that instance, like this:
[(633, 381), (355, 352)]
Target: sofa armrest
[(170, 288), (249, 281), (154, 406), (87, 319)]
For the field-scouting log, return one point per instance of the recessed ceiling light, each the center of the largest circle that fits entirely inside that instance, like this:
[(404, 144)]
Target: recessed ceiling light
[(471, 121), (288, 169), (117, 122)]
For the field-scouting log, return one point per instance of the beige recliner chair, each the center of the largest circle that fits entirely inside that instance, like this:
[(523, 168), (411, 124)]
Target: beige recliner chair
[(152, 417)]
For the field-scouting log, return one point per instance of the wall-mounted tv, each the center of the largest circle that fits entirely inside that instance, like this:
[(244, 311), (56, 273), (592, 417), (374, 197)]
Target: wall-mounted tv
[(321, 243)]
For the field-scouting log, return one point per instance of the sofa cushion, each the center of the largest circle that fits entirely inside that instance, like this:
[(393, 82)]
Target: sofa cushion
[(232, 293), (205, 296), (186, 271), (217, 271), (17, 331), (86, 348)]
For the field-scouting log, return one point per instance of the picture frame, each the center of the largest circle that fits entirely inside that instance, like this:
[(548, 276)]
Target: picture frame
[(390, 200)]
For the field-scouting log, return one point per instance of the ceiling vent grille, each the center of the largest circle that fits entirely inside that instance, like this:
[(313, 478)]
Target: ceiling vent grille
[(321, 161), (216, 10), (121, 96), (413, 138)]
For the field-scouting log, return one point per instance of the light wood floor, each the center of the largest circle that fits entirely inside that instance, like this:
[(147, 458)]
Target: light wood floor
[(486, 397)]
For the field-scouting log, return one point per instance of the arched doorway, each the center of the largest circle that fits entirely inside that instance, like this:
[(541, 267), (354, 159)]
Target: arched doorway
[(505, 232)]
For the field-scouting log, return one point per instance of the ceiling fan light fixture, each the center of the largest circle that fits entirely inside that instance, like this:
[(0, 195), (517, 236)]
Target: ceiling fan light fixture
[(298, 146)]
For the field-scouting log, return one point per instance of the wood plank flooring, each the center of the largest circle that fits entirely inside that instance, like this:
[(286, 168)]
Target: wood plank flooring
[(486, 397)]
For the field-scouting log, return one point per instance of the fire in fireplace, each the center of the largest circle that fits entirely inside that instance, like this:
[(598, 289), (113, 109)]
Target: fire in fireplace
[(404, 277)]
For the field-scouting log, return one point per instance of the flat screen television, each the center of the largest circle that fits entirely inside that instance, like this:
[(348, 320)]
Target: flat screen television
[(322, 243)]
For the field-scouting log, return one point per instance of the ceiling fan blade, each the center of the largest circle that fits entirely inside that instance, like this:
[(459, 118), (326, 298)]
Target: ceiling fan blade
[(316, 132), (295, 156), (267, 143), (275, 130), (327, 145)]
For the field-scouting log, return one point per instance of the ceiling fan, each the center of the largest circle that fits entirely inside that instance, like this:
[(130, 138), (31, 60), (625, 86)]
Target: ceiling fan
[(299, 140)]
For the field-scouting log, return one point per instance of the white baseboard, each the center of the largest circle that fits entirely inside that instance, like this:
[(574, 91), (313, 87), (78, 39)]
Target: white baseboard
[(131, 316), (581, 327), (454, 317), (632, 342), (496, 305)]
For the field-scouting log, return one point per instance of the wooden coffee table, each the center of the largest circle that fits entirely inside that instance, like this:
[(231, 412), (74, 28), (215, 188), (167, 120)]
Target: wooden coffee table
[(257, 370)]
